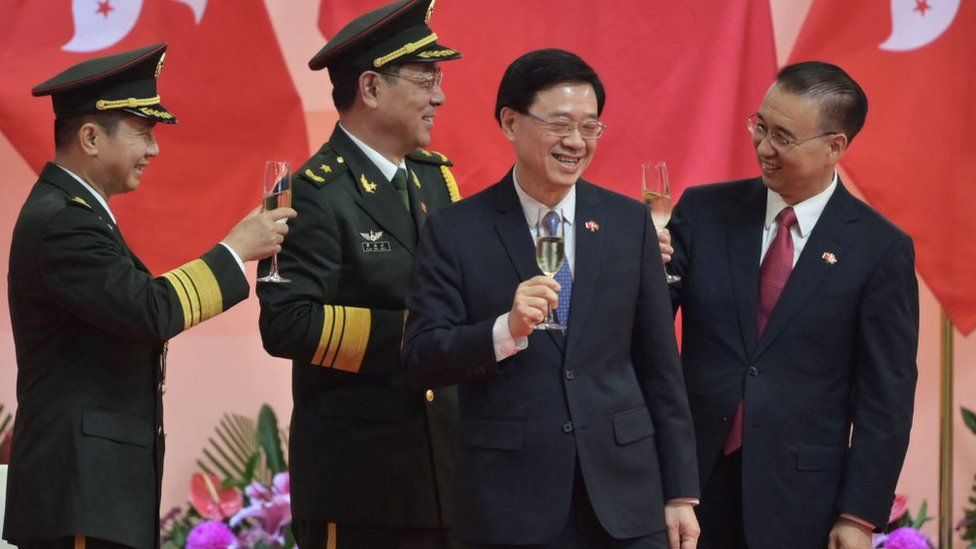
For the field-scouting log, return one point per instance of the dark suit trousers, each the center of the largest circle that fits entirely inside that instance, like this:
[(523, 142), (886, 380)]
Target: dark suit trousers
[(720, 512), (584, 531), (313, 534)]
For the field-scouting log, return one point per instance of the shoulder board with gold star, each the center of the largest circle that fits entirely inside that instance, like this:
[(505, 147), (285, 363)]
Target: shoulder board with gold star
[(429, 157), (80, 202), (323, 167)]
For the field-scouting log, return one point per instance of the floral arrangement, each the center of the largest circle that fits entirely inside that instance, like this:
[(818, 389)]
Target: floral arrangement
[(968, 523), (251, 506), (903, 531)]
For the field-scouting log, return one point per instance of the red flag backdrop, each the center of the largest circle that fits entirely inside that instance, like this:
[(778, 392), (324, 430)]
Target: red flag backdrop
[(916, 158), (681, 78), (224, 78)]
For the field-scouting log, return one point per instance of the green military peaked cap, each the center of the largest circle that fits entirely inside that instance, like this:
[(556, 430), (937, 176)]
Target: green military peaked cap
[(124, 81), (395, 33)]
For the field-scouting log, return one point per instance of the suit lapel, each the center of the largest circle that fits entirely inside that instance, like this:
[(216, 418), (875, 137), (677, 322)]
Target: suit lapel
[(418, 201), (831, 234), (745, 245), (58, 177), (376, 195), (588, 260), (514, 234)]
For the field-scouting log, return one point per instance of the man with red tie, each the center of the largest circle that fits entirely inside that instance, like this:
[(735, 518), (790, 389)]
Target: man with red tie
[(800, 326)]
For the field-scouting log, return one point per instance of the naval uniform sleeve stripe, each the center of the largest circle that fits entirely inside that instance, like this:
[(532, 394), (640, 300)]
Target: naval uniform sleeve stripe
[(328, 324), (354, 340), (336, 341), (452, 186), (181, 294), (208, 289), (191, 290)]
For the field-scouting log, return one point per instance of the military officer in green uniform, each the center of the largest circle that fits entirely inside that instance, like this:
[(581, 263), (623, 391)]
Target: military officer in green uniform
[(90, 323), (371, 458)]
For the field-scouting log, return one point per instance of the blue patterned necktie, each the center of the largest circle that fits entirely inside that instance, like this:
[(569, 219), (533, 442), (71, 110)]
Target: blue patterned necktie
[(564, 276), (565, 279)]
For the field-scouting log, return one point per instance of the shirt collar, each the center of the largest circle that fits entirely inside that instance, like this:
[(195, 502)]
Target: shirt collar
[(807, 212), (91, 190), (387, 168), (531, 206)]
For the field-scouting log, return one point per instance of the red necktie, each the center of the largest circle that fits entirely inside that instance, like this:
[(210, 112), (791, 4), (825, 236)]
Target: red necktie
[(773, 274)]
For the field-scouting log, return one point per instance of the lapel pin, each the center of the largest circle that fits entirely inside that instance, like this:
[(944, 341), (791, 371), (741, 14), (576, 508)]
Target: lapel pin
[(829, 258), (592, 226), (423, 208), (416, 180)]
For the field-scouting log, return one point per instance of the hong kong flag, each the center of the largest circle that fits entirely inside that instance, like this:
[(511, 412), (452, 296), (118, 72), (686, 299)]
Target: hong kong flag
[(224, 77), (681, 78), (915, 160)]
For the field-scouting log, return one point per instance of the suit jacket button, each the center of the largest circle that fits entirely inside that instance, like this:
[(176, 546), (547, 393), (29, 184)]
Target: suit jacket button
[(568, 427), (429, 395), (570, 375), (753, 371)]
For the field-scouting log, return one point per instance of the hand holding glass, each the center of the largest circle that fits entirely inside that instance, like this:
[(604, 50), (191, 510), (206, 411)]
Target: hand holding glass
[(656, 191), (550, 253), (277, 194)]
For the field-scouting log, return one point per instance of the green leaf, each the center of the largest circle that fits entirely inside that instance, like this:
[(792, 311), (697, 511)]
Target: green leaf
[(922, 517), (269, 440), (969, 417)]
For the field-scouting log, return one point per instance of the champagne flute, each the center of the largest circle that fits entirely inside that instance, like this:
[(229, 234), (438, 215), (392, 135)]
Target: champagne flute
[(656, 190), (550, 253), (277, 194)]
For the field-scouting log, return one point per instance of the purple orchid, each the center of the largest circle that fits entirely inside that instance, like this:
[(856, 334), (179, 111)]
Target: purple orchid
[(906, 538), (211, 534), (269, 511)]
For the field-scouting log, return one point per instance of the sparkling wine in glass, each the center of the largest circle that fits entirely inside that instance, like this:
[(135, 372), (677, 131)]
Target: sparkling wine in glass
[(276, 194), (550, 253), (656, 191)]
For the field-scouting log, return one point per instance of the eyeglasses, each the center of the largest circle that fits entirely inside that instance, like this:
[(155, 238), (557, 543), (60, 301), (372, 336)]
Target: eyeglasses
[(779, 141), (590, 129), (426, 82)]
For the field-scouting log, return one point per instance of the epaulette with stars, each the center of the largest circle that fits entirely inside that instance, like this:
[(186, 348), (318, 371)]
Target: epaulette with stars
[(429, 157), (435, 158), (323, 167)]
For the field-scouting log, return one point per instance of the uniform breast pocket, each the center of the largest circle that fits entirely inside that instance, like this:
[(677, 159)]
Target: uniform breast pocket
[(117, 426)]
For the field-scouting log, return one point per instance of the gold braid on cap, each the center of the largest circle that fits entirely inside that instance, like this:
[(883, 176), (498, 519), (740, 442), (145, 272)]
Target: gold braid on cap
[(130, 103), (405, 50)]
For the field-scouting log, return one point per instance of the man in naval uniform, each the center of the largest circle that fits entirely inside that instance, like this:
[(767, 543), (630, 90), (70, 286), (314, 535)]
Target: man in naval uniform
[(371, 458), (90, 322)]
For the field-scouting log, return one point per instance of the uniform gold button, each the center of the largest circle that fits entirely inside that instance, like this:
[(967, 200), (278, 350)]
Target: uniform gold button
[(429, 395)]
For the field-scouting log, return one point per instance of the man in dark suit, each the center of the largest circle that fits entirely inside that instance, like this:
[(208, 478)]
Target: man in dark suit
[(372, 459), (800, 326), (90, 322), (575, 438)]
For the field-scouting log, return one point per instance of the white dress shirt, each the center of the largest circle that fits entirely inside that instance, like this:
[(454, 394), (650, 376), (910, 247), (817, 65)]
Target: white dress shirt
[(387, 168), (505, 344), (807, 214)]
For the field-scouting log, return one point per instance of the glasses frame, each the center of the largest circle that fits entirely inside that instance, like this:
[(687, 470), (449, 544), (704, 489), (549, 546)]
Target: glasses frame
[(426, 83), (777, 140), (568, 130)]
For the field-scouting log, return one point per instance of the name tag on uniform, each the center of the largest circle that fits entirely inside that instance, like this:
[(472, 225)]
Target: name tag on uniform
[(382, 246), (373, 242)]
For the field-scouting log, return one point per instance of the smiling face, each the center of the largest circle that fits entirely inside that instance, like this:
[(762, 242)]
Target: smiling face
[(798, 171), (547, 165), (407, 109), (123, 154)]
